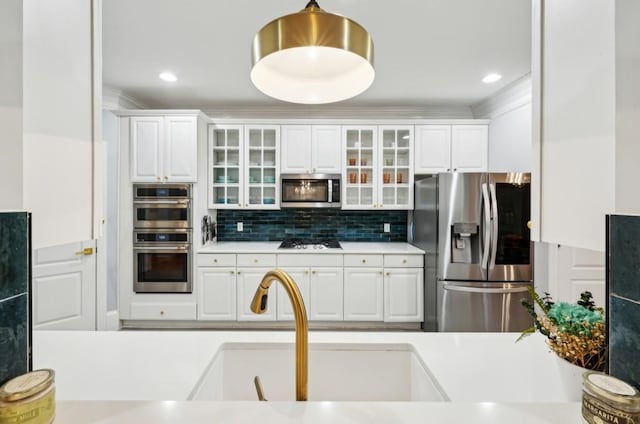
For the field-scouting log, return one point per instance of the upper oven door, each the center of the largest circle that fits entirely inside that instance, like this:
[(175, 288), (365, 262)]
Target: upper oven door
[(162, 214)]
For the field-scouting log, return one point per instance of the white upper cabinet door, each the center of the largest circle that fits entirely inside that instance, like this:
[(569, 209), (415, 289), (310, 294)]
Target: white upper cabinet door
[(146, 148), (432, 149), (181, 149), (295, 144), (326, 149), (469, 152)]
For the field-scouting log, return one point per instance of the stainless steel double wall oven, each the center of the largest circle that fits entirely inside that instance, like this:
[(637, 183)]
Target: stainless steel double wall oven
[(162, 246)]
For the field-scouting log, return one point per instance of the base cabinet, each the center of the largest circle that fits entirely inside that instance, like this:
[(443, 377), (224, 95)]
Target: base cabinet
[(363, 294), (403, 294), (217, 294), (301, 277), (163, 311), (326, 294), (248, 280)]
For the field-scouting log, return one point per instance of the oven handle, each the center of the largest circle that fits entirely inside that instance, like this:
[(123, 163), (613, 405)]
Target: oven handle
[(162, 202), (182, 248)]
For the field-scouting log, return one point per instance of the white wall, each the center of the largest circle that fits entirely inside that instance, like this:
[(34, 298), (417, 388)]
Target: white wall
[(577, 162), (11, 105), (111, 134), (58, 96), (627, 106)]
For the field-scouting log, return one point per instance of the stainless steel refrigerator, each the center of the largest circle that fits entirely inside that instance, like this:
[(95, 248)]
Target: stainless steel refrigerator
[(479, 261)]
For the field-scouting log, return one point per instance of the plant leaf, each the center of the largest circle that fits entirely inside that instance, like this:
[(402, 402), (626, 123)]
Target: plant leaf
[(526, 333)]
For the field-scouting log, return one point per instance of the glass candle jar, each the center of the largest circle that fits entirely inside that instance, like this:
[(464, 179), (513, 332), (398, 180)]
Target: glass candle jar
[(29, 398), (606, 399)]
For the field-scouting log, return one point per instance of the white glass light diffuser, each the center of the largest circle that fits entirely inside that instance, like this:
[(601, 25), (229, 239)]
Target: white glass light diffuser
[(312, 57), (489, 78)]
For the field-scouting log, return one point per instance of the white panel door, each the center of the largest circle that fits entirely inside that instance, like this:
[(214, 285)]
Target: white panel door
[(247, 283), (180, 149), (363, 294), (403, 294), (573, 271), (295, 149), (146, 148), (301, 278), (326, 149), (326, 294), (469, 151), (432, 149), (64, 287), (216, 294)]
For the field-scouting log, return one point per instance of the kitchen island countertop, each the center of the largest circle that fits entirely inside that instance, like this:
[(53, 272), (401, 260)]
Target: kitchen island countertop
[(146, 376)]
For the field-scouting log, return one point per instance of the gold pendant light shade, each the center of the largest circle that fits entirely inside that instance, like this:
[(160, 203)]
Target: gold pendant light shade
[(312, 57)]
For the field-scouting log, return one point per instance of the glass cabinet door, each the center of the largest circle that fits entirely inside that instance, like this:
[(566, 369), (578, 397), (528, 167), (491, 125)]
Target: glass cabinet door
[(262, 170), (225, 165), (359, 178), (396, 187)]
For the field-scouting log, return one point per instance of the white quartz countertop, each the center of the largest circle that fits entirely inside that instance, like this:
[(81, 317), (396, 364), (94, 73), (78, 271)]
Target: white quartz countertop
[(147, 376), (348, 247)]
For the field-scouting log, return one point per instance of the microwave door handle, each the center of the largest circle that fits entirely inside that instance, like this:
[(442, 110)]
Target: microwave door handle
[(330, 188), (494, 225), (487, 226)]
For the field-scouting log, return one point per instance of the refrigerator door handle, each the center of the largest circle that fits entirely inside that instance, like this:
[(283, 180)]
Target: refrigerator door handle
[(494, 224), (501, 290), (487, 226)]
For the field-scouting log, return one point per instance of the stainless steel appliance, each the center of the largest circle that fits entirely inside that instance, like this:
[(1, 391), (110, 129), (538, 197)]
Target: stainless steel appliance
[(162, 261), (162, 206), (316, 244), (310, 191), (474, 228)]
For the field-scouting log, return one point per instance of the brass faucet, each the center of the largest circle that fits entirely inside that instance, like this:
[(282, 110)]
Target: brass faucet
[(259, 306)]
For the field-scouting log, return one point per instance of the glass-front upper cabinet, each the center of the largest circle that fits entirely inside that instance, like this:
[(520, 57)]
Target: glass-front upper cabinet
[(225, 166), (396, 156), (262, 167), (359, 175)]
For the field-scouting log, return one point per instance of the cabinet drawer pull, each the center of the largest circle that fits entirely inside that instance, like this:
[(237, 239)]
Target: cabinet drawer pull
[(404, 261), (215, 261), (255, 261), (364, 261), (161, 312)]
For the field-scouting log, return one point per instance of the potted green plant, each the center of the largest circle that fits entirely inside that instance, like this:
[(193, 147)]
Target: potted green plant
[(574, 331)]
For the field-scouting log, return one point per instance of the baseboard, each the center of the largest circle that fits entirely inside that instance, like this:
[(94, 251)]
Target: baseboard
[(113, 321)]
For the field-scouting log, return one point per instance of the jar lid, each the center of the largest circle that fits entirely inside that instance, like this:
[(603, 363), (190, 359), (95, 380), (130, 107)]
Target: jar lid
[(612, 389), (26, 385)]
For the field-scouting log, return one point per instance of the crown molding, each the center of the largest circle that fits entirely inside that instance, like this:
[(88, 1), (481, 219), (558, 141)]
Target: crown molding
[(114, 99), (512, 96)]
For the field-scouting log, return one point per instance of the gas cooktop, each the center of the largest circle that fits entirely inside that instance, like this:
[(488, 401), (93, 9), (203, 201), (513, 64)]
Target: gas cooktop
[(310, 244)]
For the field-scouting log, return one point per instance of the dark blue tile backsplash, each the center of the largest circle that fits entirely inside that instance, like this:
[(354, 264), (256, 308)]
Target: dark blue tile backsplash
[(623, 291), (276, 225), (15, 286)]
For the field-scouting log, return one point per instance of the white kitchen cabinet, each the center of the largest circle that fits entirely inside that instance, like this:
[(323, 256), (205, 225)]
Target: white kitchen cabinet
[(177, 311), (311, 149), (216, 293), (451, 148), (363, 294), (360, 150), (403, 294), (244, 166), (394, 173), (326, 294), (164, 148)]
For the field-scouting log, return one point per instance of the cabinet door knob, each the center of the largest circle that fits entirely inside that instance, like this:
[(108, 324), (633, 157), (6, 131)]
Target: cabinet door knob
[(306, 273), (239, 205), (246, 205), (314, 169), (161, 312), (380, 272), (404, 261), (381, 205), (448, 169), (231, 272), (157, 178), (375, 206), (364, 261), (215, 261), (313, 272), (237, 272), (388, 274), (255, 261)]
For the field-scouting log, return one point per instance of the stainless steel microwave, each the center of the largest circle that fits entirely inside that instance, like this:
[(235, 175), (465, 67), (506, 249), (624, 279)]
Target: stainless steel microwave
[(310, 191)]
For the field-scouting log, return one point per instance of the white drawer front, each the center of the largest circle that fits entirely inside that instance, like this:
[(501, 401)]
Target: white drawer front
[(403, 261), (363, 260), (257, 260), (308, 259), (163, 311), (216, 259)]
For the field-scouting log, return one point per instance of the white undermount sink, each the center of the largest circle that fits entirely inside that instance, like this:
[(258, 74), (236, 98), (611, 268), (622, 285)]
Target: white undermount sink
[(337, 372)]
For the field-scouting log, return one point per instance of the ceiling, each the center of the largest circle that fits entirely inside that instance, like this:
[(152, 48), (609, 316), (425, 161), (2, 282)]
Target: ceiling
[(427, 53)]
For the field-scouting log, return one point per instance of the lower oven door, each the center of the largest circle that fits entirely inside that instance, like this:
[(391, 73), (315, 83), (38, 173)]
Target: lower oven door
[(162, 269)]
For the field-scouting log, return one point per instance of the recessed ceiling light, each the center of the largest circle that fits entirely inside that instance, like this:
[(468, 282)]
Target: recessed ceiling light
[(168, 76), (489, 78)]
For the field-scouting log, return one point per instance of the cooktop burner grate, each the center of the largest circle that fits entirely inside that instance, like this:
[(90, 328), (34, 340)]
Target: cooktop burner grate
[(310, 244)]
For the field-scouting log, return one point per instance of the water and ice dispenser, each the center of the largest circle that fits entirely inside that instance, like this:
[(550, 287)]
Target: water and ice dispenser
[(465, 243)]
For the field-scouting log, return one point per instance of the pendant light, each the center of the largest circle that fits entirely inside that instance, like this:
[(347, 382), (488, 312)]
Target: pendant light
[(312, 57)]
